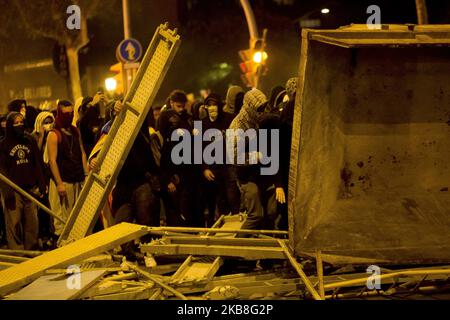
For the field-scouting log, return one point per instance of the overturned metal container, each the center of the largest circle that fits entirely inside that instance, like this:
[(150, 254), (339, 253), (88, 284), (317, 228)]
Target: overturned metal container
[(370, 162)]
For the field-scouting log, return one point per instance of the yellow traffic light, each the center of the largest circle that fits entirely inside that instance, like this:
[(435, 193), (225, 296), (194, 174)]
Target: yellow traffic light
[(118, 79), (260, 57)]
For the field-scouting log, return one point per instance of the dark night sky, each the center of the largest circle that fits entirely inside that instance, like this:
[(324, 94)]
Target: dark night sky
[(212, 33)]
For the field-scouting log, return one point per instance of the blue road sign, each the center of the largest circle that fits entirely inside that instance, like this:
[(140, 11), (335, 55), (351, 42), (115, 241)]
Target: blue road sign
[(129, 50)]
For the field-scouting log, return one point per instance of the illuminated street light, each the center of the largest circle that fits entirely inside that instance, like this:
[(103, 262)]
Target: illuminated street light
[(111, 84), (325, 11)]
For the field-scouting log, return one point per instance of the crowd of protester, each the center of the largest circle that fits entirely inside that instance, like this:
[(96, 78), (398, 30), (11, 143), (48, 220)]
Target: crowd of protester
[(49, 154)]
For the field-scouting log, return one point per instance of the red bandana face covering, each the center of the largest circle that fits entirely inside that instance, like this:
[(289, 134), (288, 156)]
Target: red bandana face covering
[(64, 120)]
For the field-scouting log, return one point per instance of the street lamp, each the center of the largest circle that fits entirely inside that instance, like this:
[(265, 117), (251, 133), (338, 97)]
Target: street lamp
[(325, 11), (111, 84)]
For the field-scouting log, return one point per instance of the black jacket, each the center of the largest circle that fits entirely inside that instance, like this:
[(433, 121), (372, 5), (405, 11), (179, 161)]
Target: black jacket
[(20, 160)]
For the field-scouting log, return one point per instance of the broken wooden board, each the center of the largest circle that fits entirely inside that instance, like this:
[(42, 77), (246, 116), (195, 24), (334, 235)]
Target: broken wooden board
[(251, 242), (142, 293), (58, 287), (247, 252), (107, 287), (195, 271), (20, 275)]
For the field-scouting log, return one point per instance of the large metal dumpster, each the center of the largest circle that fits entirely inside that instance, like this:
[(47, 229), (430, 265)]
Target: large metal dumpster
[(370, 168)]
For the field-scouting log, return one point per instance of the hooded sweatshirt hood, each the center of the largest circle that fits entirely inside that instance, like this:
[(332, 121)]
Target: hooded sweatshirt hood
[(273, 101), (10, 132), (215, 99), (40, 120), (248, 116), (233, 101), (291, 88), (16, 105)]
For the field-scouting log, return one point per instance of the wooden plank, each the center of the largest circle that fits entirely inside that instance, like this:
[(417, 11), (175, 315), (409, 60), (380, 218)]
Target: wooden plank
[(20, 275), (156, 281), (128, 294), (319, 265), (55, 287), (12, 259), (28, 253), (251, 242), (300, 271), (252, 253)]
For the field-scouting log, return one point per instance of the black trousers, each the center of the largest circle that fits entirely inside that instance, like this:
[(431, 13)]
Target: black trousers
[(143, 205), (223, 191)]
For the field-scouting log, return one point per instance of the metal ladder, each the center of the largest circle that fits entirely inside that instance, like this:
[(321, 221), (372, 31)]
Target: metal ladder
[(137, 103)]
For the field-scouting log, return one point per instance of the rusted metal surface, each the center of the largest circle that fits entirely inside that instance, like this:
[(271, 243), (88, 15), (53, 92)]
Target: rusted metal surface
[(370, 175)]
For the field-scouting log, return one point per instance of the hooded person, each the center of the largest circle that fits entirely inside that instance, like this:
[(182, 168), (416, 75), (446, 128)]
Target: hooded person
[(68, 165), (287, 114), (220, 177), (45, 121), (234, 100), (20, 161), (90, 125), (259, 201), (273, 104), (19, 106)]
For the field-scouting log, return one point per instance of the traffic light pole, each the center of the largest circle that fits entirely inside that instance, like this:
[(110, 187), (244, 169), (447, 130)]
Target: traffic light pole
[(127, 35), (126, 19), (249, 15)]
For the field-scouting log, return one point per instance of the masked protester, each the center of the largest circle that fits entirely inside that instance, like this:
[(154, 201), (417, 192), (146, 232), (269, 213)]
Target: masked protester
[(44, 123), (260, 202), (221, 187), (20, 161), (92, 121), (68, 164), (234, 100)]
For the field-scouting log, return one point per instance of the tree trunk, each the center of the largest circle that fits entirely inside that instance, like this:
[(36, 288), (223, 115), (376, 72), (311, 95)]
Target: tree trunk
[(74, 73), (422, 13)]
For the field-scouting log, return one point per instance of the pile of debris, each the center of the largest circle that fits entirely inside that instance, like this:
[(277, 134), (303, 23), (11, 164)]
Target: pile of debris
[(217, 263)]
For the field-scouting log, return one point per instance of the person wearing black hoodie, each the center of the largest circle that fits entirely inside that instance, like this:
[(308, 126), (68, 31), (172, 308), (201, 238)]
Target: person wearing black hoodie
[(20, 161), (176, 179), (21, 107), (221, 184)]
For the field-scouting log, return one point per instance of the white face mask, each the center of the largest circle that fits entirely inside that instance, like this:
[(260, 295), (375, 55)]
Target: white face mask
[(48, 127), (213, 112)]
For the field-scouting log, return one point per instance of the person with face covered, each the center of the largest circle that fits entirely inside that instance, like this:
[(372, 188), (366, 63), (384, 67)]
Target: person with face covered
[(221, 187), (68, 164), (45, 121), (20, 106), (20, 161), (92, 120), (259, 198)]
